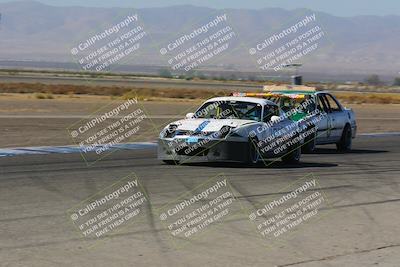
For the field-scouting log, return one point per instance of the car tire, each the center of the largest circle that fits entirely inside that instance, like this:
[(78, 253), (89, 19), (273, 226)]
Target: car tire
[(310, 144), (344, 145), (253, 156), (171, 162), (294, 156)]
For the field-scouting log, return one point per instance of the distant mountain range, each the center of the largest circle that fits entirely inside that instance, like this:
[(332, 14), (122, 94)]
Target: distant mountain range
[(362, 44)]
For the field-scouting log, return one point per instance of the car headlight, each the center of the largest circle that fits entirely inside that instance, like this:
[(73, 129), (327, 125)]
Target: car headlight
[(170, 131)]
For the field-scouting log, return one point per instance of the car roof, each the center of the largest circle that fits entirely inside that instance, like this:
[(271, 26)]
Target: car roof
[(256, 100), (299, 92)]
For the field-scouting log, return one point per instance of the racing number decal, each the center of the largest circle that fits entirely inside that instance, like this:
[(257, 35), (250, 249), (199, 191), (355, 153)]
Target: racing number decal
[(201, 127)]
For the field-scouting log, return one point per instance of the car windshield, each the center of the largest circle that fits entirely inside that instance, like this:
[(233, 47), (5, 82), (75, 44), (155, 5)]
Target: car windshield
[(230, 109), (287, 103)]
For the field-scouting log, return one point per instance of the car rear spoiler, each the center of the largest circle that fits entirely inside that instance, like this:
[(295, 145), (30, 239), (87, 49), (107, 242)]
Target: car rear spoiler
[(288, 88)]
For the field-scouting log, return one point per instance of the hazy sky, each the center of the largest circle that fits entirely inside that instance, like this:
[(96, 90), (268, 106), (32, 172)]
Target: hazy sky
[(336, 7)]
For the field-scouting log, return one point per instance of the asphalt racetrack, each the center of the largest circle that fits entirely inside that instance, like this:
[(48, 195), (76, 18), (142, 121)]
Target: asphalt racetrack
[(360, 226)]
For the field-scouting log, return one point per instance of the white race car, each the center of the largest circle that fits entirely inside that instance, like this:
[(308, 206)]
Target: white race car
[(232, 129)]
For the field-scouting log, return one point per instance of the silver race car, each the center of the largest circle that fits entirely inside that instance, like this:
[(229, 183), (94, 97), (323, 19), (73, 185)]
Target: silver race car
[(246, 129), (337, 126)]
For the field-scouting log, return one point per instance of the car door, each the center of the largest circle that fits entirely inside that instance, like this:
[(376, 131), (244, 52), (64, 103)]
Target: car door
[(337, 116), (324, 125)]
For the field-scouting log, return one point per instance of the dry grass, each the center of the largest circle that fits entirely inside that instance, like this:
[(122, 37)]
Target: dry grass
[(43, 96), (365, 98), (45, 91), (124, 92)]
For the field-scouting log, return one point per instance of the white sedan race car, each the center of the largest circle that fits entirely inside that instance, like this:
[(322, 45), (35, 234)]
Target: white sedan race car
[(245, 129)]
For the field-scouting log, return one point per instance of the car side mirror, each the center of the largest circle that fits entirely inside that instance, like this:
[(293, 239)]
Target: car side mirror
[(189, 116), (275, 119)]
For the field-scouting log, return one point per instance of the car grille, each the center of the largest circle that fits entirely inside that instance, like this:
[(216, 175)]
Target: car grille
[(191, 133)]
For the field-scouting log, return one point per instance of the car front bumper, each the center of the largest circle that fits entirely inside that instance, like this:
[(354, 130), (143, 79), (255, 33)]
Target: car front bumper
[(213, 150)]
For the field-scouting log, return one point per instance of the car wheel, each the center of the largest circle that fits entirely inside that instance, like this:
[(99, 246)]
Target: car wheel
[(253, 156), (310, 144), (293, 157), (171, 162), (345, 141)]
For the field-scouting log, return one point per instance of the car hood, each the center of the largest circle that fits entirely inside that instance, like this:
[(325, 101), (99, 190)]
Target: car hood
[(209, 125)]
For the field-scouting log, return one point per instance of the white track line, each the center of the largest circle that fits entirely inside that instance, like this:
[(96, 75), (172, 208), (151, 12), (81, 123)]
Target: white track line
[(80, 117), (66, 149)]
